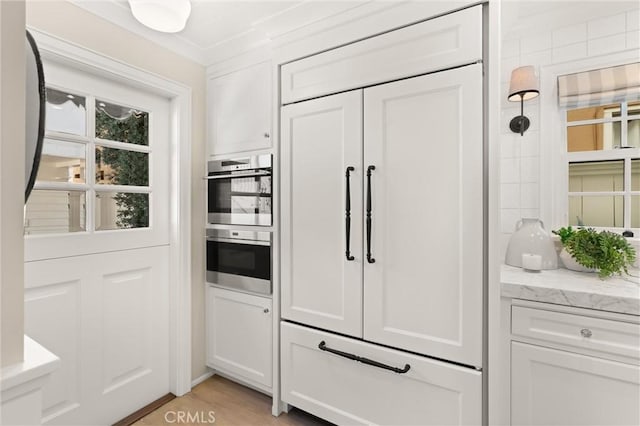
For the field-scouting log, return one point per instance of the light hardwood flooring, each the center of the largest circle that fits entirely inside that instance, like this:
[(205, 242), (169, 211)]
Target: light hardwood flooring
[(231, 403)]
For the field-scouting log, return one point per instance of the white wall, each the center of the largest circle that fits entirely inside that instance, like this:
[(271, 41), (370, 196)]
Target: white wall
[(563, 32), (71, 23), (12, 130)]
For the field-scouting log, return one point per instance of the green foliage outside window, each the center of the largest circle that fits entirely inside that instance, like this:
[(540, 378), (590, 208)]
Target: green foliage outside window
[(129, 167)]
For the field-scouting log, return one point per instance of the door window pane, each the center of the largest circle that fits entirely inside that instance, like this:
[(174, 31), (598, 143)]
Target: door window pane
[(62, 161), (65, 112), (593, 137), (635, 212), (121, 167), (121, 124), (121, 210), (635, 175), (596, 176), (594, 113), (633, 133), (604, 211), (55, 212)]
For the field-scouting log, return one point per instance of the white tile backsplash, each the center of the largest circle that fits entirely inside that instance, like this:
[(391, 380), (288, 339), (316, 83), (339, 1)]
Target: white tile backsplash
[(510, 170), (510, 195), (529, 170), (509, 219), (510, 48), (603, 45), (509, 146), (633, 20), (633, 40), (535, 43), (570, 52), (530, 196), (569, 35), (607, 25), (530, 144)]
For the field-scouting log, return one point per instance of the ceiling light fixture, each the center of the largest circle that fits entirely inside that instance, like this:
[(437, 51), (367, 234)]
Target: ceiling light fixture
[(167, 16)]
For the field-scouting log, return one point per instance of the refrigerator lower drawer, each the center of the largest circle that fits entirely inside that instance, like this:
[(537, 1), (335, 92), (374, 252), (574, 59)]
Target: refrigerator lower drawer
[(378, 388)]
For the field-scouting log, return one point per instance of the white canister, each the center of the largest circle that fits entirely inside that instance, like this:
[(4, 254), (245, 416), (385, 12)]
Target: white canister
[(531, 238)]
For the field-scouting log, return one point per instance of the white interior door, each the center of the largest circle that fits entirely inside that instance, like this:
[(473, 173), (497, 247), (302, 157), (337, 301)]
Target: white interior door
[(96, 283), (424, 136), (321, 138)]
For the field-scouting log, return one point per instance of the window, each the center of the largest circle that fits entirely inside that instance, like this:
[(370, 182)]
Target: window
[(602, 146), (603, 154), (94, 169)]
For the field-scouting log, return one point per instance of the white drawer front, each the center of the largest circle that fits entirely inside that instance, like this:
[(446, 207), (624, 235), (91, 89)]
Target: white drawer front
[(595, 334), (344, 391), (440, 43)]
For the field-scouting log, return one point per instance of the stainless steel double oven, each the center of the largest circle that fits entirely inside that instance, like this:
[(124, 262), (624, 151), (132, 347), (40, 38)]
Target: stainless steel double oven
[(239, 193)]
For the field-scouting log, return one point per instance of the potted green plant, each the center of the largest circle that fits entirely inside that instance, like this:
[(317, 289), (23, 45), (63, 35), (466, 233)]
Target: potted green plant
[(586, 249)]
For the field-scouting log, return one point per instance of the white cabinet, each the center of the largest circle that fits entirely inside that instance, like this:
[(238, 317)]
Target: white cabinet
[(346, 392), (573, 369), (555, 387), (445, 42), (422, 288), (239, 335), (239, 110)]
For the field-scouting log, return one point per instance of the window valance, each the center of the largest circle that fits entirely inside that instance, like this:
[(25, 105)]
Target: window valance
[(599, 87)]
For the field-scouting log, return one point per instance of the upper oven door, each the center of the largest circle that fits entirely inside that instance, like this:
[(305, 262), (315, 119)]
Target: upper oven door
[(240, 199)]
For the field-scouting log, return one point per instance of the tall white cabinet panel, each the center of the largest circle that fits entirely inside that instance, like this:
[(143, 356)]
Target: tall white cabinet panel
[(239, 328), (240, 110), (553, 387), (424, 292), (447, 41), (321, 138)]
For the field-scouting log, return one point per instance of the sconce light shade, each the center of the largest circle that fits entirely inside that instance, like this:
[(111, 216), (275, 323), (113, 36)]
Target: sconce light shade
[(167, 16), (523, 86)]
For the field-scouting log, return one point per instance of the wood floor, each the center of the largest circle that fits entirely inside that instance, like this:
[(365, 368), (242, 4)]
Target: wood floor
[(231, 403)]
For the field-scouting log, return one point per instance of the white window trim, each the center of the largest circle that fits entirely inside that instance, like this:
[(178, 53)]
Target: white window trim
[(180, 220), (553, 155)]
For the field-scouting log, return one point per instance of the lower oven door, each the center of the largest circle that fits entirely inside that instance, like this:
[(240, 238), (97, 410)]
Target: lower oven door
[(239, 266)]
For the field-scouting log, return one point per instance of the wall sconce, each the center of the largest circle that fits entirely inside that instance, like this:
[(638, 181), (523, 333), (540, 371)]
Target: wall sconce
[(523, 86), (167, 16)]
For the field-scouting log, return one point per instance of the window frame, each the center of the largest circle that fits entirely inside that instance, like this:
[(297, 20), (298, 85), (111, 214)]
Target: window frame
[(554, 158), (626, 155), (90, 187)]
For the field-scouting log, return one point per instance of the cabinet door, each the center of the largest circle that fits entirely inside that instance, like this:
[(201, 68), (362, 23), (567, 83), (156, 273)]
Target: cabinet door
[(240, 110), (345, 392), (424, 136), (239, 331), (552, 387), (320, 139)]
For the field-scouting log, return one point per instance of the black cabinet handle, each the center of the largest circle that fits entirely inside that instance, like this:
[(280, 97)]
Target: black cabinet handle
[(347, 213), (323, 347), (369, 258)]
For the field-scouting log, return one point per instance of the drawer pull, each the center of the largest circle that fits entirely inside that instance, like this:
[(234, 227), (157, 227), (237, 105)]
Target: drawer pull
[(323, 347), (585, 332)]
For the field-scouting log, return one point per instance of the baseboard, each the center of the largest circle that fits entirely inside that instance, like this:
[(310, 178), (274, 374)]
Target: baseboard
[(202, 378), (147, 409)]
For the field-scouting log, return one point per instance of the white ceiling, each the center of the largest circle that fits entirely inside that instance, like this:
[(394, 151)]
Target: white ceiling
[(220, 29)]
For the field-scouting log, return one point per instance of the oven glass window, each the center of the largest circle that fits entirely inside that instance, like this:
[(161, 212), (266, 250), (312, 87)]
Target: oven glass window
[(239, 259), (240, 195)]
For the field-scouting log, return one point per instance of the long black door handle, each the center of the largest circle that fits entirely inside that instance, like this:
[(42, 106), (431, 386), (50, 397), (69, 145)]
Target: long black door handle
[(347, 213), (323, 347), (369, 258)]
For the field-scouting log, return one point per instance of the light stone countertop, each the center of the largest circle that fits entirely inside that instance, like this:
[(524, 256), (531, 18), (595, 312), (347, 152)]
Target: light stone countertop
[(579, 289)]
